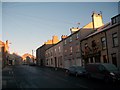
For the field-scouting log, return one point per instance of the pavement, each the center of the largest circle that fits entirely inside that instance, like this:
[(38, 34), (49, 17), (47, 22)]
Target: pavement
[(8, 80)]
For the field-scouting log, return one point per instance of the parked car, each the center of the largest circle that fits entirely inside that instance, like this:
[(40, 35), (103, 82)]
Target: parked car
[(105, 71), (77, 71), (32, 64), (24, 64), (119, 68)]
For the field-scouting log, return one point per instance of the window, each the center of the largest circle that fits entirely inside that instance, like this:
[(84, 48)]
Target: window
[(101, 68), (71, 49), (77, 36), (65, 42), (65, 51), (116, 19), (51, 53), (60, 60), (115, 39), (70, 39), (46, 54), (97, 59), (47, 62), (86, 45), (93, 43), (55, 50), (91, 59), (114, 59), (113, 20), (51, 61), (59, 49), (103, 41)]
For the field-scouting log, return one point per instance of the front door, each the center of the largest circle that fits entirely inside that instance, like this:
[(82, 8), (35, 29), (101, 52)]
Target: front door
[(55, 62)]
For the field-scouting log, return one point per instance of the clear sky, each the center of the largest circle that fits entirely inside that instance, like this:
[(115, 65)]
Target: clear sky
[(60, 0), (27, 25), (0, 20)]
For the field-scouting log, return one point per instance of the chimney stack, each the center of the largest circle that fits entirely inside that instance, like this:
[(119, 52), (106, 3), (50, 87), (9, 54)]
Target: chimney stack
[(55, 39), (97, 20), (63, 37), (74, 29)]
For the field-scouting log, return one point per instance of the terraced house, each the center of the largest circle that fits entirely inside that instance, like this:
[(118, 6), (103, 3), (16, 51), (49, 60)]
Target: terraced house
[(67, 52), (54, 54), (103, 45), (41, 51), (113, 40), (94, 42)]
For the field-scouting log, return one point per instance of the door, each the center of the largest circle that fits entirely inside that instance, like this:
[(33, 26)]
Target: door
[(55, 62)]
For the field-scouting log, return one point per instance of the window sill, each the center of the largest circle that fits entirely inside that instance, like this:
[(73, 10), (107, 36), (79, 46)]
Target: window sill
[(104, 49), (115, 46)]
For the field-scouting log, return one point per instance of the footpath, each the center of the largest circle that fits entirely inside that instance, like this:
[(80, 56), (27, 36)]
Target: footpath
[(8, 80)]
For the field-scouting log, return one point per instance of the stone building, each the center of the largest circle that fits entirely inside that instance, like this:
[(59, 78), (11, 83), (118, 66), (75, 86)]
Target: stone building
[(94, 46), (113, 40), (27, 58), (71, 45), (4, 51), (54, 55), (103, 45), (93, 43), (40, 52), (2, 54)]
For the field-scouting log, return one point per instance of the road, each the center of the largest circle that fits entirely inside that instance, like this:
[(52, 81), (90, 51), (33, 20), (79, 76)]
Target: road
[(25, 76)]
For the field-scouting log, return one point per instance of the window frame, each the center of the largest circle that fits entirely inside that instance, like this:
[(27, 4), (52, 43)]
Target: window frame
[(70, 39), (115, 38), (104, 43)]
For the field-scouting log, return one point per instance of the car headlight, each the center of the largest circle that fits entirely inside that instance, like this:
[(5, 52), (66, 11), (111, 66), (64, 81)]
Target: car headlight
[(112, 74)]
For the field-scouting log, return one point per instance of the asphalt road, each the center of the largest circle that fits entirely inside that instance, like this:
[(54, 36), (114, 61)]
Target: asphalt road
[(25, 76)]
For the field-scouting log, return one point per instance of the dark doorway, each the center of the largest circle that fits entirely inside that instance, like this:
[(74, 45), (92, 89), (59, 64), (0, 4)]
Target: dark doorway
[(55, 62), (97, 59), (105, 59), (91, 59), (41, 63), (114, 59)]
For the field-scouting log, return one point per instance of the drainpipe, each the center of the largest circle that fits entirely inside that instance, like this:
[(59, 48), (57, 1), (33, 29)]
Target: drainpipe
[(107, 47), (81, 53)]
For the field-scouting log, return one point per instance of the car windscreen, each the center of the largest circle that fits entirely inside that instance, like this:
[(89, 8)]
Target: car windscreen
[(110, 67), (80, 68)]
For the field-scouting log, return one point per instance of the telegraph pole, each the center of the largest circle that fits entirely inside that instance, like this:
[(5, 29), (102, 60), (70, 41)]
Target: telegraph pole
[(32, 57)]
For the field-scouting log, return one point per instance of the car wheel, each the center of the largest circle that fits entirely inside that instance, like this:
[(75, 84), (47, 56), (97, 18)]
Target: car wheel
[(88, 76), (76, 74), (69, 73), (106, 79)]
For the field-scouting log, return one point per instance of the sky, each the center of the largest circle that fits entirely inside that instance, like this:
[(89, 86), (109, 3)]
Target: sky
[(0, 20), (27, 25), (60, 0)]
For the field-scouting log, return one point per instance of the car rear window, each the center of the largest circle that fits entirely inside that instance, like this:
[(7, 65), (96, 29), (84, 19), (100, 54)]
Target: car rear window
[(110, 67)]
